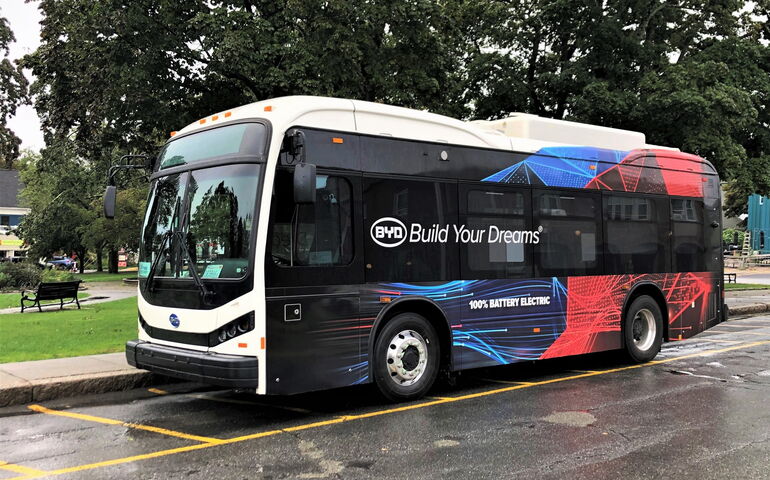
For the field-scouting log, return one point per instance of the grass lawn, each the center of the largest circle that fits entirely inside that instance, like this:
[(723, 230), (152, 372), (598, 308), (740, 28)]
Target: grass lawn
[(746, 286), (8, 300), (98, 328), (106, 277)]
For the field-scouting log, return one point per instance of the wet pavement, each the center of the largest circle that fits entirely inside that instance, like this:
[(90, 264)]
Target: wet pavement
[(698, 411)]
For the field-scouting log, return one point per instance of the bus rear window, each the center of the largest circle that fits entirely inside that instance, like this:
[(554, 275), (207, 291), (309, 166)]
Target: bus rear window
[(232, 140)]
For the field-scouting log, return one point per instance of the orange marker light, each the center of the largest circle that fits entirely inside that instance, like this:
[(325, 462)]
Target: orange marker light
[(173, 133), (536, 329), (227, 114), (243, 345), (202, 121), (337, 140), (215, 117), (592, 167), (262, 343), (269, 108), (385, 299)]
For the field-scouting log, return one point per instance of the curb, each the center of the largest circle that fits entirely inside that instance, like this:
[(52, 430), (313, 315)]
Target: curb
[(750, 309), (23, 391)]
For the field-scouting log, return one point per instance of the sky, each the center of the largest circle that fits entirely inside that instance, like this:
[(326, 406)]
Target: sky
[(24, 19)]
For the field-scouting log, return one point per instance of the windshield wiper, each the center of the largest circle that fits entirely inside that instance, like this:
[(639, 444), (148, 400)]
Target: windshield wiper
[(165, 246), (192, 267)]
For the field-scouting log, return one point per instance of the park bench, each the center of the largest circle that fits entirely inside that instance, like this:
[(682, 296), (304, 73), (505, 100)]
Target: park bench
[(730, 277), (51, 291)]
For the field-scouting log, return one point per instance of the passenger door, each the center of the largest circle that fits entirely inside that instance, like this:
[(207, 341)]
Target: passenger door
[(313, 269)]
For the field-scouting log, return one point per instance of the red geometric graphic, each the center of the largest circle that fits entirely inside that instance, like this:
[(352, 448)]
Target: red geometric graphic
[(594, 309), (671, 172)]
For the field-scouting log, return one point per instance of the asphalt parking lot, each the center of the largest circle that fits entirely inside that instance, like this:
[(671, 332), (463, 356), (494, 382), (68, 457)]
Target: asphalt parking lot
[(700, 410)]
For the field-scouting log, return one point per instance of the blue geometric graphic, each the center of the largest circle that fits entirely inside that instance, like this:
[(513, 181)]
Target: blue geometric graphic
[(496, 321), (572, 167)]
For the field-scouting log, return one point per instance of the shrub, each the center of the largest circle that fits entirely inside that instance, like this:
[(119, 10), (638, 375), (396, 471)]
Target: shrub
[(53, 275), (5, 281), (21, 275)]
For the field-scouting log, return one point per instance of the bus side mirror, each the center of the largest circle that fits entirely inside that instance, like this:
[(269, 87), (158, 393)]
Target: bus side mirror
[(110, 197), (304, 183)]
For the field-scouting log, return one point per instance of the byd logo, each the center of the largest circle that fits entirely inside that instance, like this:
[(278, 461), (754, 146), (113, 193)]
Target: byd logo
[(388, 232)]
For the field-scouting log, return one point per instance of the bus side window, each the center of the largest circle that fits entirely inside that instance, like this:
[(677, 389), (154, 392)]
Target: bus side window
[(688, 244), (499, 239), (635, 230), (318, 234), (569, 243)]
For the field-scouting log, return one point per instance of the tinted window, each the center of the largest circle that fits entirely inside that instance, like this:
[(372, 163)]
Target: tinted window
[(239, 139), (495, 202), (688, 242), (318, 234), (500, 241), (570, 239), (635, 232), (429, 206)]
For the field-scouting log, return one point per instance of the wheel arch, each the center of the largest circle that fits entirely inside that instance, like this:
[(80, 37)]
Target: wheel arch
[(652, 290), (421, 306)]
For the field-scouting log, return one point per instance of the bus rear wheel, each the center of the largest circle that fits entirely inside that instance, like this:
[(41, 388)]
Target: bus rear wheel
[(406, 357), (643, 329)]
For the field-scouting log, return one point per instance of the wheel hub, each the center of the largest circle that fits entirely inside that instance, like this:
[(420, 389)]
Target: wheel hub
[(407, 357), (643, 329)]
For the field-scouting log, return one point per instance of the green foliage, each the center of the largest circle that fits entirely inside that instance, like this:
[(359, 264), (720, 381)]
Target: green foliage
[(13, 92), (19, 275), (53, 275), (115, 76), (59, 190), (98, 328), (728, 235)]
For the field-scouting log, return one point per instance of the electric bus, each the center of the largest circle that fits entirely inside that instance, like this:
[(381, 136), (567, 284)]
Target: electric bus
[(307, 243)]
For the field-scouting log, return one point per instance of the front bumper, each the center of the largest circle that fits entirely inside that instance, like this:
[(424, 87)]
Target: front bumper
[(212, 368)]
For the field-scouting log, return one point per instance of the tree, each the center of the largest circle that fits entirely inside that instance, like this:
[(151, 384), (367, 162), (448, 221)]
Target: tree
[(13, 92), (119, 232), (689, 74), (115, 76), (59, 193)]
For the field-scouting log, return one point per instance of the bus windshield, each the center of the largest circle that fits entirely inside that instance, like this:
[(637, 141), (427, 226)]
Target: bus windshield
[(211, 211)]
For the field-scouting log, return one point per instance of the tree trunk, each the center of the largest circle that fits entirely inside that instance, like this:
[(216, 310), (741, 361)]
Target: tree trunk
[(99, 266), (82, 260), (112, 262)]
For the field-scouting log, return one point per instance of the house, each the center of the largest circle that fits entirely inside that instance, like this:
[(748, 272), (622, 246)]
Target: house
[(10, 215)]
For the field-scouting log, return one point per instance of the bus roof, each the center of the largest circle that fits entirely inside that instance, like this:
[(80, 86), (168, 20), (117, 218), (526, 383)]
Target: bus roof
[(518, 132)]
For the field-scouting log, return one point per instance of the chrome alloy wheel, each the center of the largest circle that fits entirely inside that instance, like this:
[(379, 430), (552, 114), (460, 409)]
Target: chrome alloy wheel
[(407, 357), (643, 329)]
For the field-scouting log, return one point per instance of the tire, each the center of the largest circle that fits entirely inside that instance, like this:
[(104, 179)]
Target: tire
[(643, 329), (410, 375)]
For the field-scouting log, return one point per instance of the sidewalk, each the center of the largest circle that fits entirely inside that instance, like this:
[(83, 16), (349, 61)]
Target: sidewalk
[(37, 381), (40, 380)]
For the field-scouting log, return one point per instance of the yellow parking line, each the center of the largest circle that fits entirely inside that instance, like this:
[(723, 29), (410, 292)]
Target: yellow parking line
[(505, 382), (348, 418), (11, 467), (157, 391), (109, 421)]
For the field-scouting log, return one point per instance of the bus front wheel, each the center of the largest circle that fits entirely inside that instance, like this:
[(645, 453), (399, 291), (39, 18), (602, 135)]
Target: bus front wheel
[(406, 357), (643, 329)]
